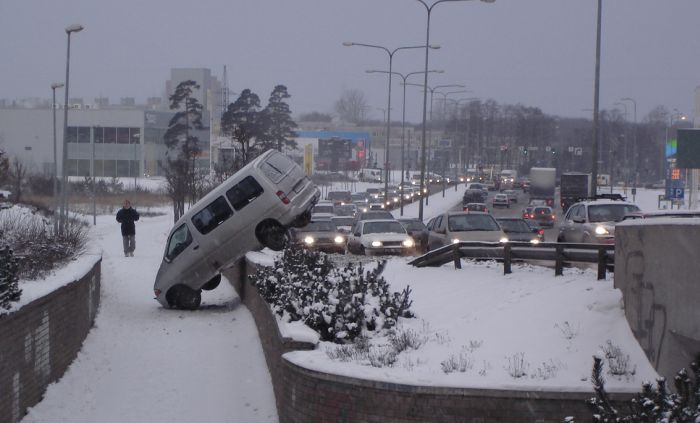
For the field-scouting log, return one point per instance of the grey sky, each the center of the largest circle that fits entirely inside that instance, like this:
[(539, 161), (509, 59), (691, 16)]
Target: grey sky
[(537, 52)]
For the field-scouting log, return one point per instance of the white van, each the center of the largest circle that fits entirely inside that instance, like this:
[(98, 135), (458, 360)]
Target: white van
[(254, 207)]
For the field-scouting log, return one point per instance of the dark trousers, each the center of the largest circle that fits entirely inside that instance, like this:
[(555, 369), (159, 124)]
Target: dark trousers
[(129, 243)]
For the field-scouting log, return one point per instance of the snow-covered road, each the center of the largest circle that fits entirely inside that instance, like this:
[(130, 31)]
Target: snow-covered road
[(143, 363)]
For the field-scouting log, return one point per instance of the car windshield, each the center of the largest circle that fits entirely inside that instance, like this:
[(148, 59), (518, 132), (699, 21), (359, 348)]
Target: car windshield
[(323, 226), (610, 212), (376, 215), (472, 222), (514, 225), (413, 225), (383, 228), (323, 209)]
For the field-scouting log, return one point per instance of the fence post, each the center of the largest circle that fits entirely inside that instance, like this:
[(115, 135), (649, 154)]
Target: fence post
[(602, 262), (506, 259), (559, 260), (457, 256)]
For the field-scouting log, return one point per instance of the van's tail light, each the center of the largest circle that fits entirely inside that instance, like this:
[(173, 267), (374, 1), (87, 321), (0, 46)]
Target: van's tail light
[(283, 197), (157, 292), (540, 232)]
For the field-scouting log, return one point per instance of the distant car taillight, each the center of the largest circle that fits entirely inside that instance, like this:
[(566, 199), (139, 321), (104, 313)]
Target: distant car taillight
[(554, 217), (282, 196)]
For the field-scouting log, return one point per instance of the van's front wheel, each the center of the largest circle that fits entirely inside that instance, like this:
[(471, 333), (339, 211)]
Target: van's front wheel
[(272, 235)]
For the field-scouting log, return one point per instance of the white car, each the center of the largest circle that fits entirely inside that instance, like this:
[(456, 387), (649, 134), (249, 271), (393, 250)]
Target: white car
[(380, 237), (501, 200), (453, 227)]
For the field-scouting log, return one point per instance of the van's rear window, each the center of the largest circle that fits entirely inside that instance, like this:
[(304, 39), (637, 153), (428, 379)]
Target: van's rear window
[(212, 216), (276, 166), (244, 192)]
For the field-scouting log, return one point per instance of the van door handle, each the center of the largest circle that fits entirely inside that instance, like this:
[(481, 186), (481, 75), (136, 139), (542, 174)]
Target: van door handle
[(196, 247)]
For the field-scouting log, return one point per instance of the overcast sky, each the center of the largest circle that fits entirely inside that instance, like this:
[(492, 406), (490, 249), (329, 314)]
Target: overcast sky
[(536, 52)]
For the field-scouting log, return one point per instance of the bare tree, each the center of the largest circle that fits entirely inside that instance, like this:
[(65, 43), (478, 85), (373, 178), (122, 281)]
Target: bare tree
[(352, 106), (17, 173)]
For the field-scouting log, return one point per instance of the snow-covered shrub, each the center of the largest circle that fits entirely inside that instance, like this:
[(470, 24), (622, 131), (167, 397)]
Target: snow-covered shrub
[(618, 362), (547, 370), (517, 366), (340, 303), (36, 246), (652, 404), (475, 344), (405, 339), (382, 357), (567, 330), (457, 363), (9, 291)]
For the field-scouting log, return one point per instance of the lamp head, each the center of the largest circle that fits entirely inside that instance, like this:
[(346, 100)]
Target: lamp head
[(434, 46), (74, 28), (348, 43), (56, 85)]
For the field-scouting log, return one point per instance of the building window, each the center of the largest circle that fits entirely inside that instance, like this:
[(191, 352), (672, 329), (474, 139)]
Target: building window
[(83, 167), (123, 168), (99, 168), (135, 135), (134, 166), (83, 134), (122, 135), (110, 135), (71, 167), (98, 134), (110, 167), (72, 134)]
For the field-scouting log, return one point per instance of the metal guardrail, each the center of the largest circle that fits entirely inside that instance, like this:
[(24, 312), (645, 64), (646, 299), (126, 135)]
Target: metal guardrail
[(559, 252)]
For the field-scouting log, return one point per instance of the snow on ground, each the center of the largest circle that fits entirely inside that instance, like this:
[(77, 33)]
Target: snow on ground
[(144, 363), (436, 204), (484, 318)]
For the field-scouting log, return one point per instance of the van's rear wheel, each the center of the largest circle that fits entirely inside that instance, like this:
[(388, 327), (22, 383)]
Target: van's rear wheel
[(213, 283), (272, 235), (184, 297)]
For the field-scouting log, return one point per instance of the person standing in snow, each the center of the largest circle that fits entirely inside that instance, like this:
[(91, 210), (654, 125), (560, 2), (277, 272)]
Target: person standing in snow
[(127, 216)]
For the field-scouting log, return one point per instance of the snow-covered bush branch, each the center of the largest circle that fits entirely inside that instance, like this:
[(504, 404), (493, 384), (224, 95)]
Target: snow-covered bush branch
[(339, 303)]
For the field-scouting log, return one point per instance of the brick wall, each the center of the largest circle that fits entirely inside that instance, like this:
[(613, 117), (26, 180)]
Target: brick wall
[(305, 395), (39, 341)]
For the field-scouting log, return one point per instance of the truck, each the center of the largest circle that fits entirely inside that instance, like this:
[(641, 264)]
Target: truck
[(370, 175), (508, 178), (543, 183), (574, 187)]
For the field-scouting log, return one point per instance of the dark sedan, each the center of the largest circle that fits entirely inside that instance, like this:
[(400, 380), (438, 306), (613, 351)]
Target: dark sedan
[(417, 230), (320, 236), (517, 229)]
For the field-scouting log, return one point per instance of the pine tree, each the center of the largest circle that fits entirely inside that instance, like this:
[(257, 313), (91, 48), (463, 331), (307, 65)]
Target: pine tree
[(278, 125), (242, 122), (183, 147), (9, 290)]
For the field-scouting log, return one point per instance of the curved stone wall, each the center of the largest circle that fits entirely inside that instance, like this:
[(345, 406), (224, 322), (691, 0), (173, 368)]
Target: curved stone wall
[(40, 340), (305, 395)]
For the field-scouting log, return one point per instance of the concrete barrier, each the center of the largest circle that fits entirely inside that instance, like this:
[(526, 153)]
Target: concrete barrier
[(657, 268), (40, 340)]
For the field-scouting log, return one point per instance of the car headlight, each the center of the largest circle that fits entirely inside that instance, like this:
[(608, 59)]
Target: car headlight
[(503, 240), (376, 244), (534, 241), (396, 200), (309, 240), (364, 210), (338, 239), (455, 241), (408, 243), (599, 230)]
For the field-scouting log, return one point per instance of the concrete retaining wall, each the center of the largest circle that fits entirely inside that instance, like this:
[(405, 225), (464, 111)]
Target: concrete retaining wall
[(305, 395), (39, 341), (657, 268)]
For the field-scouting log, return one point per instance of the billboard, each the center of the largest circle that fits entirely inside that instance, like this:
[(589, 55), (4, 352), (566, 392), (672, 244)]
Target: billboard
[(688, 153)]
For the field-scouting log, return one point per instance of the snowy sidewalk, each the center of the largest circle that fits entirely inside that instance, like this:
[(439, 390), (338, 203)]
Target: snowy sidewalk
[(143, 363)]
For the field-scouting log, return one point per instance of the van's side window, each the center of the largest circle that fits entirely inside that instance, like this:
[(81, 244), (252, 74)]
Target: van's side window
[(179, 240), (212, 216), (244, 192)]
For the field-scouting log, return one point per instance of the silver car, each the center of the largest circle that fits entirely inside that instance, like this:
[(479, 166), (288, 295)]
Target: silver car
[(453, 227), (254, 207), (594, 221)]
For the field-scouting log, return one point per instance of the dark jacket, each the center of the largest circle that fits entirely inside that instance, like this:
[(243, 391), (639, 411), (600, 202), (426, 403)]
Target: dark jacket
[(127, 217)]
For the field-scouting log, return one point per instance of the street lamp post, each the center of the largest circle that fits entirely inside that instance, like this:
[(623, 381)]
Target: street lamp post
[(625, 149), (64, 180), (429, 10), (54, 86), (634, 140), (430, 137), (403, 124), (596, 105), (388, 112)]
